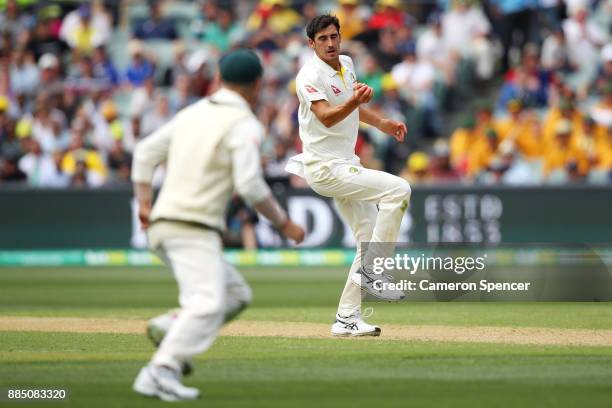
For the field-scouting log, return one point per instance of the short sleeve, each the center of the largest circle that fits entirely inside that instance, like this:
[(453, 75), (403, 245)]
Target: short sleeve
[(310, 88)]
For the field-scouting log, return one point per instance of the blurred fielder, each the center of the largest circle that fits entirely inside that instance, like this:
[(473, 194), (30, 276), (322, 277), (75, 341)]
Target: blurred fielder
[(331, 107), (211, 148)]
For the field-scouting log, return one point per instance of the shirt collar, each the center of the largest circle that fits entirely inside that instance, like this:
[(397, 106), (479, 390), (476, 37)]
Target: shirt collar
[(324, 66), (225, 95)]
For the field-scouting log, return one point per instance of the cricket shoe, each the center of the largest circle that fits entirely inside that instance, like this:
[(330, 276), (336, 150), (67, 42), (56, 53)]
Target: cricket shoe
[(353, 326), (377, 285), (164, 383), (157, 328)]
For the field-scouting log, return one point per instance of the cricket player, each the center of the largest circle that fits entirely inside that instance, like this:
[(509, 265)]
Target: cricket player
[(371, 202), (211, 148)]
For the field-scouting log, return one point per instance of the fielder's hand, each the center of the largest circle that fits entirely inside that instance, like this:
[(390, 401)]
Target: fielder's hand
[(394, 128), (144, 212), (291, 230)]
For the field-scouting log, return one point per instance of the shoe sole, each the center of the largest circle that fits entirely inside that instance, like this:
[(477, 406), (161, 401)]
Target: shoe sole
[(375, 333), (375, 295)]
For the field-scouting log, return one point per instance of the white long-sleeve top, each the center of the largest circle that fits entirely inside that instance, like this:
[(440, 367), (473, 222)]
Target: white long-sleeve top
[(211, 148)]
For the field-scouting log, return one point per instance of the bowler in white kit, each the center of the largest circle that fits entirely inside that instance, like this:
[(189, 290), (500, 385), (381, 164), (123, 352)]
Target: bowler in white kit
[(371, 202), (211, 149)]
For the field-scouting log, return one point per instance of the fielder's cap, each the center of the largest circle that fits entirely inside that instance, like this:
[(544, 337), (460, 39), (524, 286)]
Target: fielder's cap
[(491, 133), (240, 67)]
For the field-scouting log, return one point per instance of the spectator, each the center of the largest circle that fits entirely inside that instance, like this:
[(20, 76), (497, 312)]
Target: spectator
[(601, 112), (180, 94), (9, 169), (82, 164), (104, 67), (50, 76), (371, 75), (461, 142), (106, 126), (388, 15), (10, 145), (604, 76), (584, 38), (223, 31), (156, 27), (41, 168), (140, 68), (416, 170), (527, 83), (555, 53), (441, 169), (161, 114), (431, 47), (86, 80), (483, 152), (515, 17), (564, 158), (465, 29), (274, 15), (24, 72), (351, 19), (85, 29)]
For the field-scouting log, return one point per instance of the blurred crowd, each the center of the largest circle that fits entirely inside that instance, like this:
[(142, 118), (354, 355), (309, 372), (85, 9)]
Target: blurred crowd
[(496, 92)]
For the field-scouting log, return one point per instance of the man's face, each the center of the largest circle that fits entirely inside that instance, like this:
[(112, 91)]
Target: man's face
[(326, 44)]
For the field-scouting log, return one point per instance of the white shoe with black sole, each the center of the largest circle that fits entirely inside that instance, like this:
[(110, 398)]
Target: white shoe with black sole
[(376, 285), (353, 326), (163, 383)]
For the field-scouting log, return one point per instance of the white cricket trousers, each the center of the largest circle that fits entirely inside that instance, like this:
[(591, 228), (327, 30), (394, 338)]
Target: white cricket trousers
[(209, 289), (357, 192)]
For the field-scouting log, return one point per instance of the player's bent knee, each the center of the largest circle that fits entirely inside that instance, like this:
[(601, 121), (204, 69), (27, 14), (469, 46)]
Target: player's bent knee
[(200, 306)]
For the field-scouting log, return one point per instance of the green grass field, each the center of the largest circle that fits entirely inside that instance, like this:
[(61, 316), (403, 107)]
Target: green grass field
[(243, 371)]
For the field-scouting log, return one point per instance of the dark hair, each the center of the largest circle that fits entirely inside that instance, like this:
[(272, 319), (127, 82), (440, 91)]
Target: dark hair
[(321, 23)]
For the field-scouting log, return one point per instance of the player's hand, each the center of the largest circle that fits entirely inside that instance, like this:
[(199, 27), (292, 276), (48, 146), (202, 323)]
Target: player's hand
[(144, 214), (394, 128), (362, 93), (292, 231)]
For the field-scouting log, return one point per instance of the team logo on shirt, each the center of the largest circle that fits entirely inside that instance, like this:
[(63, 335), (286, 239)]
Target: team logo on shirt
[(310, 89), (336, 90)]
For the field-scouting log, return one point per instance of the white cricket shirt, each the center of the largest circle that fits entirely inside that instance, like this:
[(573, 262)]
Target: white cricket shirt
[(318, 81)]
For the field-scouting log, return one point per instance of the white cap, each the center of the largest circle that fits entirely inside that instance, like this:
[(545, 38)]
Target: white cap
[(196, 60), (48, 60), (606, 53), (575, 5)]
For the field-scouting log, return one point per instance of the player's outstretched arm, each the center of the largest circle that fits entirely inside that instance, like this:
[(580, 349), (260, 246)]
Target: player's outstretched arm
[(330, 116), (392, 127)]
